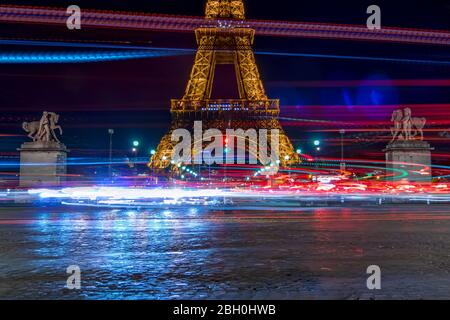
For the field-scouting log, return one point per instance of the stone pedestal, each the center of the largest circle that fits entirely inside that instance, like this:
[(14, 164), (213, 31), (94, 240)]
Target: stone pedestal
[(412, 157), (42, 164)]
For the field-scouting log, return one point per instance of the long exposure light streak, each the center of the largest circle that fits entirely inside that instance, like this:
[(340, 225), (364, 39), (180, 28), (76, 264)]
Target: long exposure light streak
[(77, 57), (239, 198), (156, 22), (345, 57), (363, 83), (124, 53), (319, 166)]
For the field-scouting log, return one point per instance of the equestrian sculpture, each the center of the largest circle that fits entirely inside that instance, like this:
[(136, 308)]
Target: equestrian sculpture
[(406, 127), (44, 129)]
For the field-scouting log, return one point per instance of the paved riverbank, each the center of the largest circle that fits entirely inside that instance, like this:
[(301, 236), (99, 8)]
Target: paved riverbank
[(195, 253)]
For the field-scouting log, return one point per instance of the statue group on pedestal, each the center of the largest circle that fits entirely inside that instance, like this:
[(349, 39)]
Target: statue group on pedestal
[(44, 129), (406, 127)]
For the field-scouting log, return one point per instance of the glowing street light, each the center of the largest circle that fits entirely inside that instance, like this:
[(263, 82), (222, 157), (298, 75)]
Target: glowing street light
[(299, 151), (153, 152), (286, 157), (135, 143), (317, 144)]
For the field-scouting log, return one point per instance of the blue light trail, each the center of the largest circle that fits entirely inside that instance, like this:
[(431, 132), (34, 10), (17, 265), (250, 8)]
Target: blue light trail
[(126, 52)]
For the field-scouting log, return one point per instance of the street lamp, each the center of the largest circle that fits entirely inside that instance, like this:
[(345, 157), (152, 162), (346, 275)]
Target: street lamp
[(342, 166), (286, 157), (299, 152), (317, 144), (153, 152), (135, 150), (110, 132)]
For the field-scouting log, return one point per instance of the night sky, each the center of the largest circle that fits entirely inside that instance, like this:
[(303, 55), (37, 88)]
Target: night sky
[(133, 96)]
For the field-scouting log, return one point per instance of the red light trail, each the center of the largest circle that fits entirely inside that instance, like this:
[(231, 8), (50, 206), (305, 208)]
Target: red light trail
[(348, 116), (172, 23), (363, 83)]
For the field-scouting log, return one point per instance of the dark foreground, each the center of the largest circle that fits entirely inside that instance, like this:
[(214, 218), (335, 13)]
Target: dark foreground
[(195, 253)]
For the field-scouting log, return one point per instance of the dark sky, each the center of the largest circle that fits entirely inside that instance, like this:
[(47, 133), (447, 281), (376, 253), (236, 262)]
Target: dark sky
[(133, 96)]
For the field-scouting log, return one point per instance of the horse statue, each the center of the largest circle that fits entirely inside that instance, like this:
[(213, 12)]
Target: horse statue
[(54, 118), (405, 126), (43, 130), (32, 128), (418, 124)]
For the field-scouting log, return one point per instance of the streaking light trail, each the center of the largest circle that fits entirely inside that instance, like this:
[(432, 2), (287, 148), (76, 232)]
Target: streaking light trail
[(77, 57), (238, 198), (343, 57), (123, 52), (171, 23), (94, 193)]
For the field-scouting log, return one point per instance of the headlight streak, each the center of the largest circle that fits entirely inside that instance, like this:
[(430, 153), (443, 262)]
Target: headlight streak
[(321, 166), (115, 197)]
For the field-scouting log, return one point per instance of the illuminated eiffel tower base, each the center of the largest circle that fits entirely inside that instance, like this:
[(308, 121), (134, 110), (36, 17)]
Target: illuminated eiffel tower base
[(230, 42)]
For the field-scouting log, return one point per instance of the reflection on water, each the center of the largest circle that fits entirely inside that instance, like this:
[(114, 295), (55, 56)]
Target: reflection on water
[(194, 253)]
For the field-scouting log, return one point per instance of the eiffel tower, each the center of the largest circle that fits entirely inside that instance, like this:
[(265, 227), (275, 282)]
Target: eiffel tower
[(225, 40)]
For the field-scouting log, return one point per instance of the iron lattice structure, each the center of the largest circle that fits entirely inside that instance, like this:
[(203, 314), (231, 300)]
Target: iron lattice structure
[(229, 42)]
